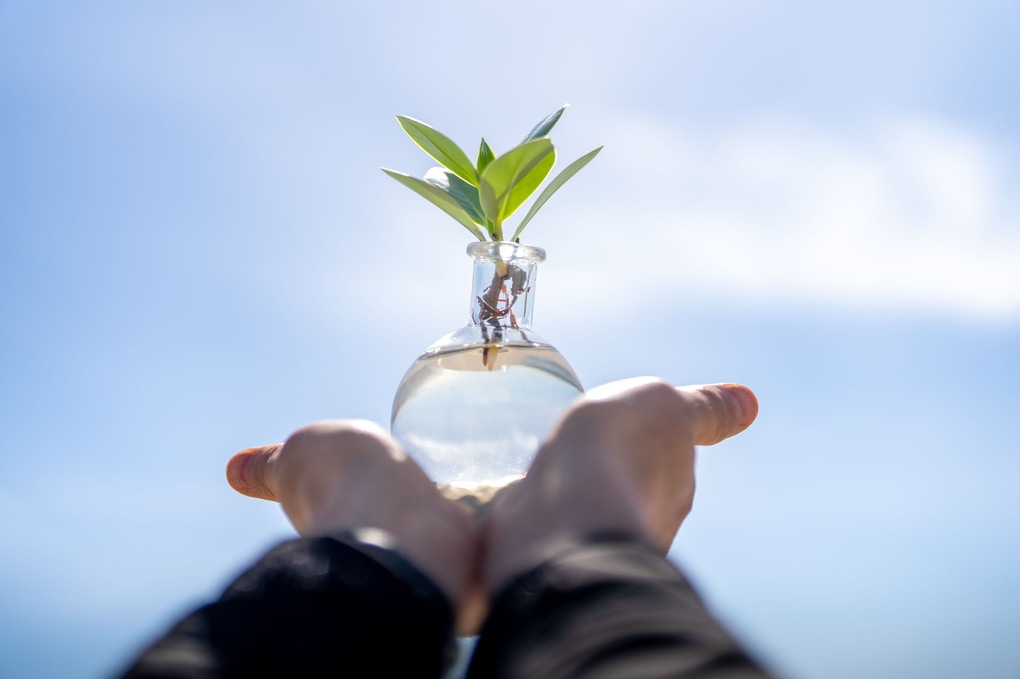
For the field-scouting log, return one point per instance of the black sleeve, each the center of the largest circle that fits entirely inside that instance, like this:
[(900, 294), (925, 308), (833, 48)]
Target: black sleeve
[(313, 607), (606, 609)]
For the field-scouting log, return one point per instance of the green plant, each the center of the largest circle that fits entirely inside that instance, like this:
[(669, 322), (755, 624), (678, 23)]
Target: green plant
[(486, 193)]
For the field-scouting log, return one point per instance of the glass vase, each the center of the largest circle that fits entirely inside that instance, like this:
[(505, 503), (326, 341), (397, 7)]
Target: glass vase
[(474, 407)]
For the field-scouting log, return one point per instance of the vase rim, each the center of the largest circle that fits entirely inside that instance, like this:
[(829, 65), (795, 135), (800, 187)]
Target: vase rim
[(506, 250)]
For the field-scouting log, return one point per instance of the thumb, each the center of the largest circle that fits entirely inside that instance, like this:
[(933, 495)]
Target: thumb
[(251, 472), (718, 411)]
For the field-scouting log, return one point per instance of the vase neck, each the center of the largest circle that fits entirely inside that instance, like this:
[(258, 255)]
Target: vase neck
[(503, 284)]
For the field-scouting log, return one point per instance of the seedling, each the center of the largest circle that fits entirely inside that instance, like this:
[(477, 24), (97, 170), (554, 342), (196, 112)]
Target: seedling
[(481, 196)]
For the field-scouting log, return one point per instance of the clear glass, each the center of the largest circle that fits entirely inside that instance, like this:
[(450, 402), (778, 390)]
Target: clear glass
[(474, 407)]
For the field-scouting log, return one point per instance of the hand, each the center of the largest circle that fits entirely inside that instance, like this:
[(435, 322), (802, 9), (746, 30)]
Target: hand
[(621, 460), (345, 475)]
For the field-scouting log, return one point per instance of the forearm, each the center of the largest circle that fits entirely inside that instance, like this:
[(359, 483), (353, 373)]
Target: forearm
[(311, 607), (606, 609)]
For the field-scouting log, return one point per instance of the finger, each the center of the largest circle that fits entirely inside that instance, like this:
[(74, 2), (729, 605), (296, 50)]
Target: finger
[(250, 472), (719, 411)]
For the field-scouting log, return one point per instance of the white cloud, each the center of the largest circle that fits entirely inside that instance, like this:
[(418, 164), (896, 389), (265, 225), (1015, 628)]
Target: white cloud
[(909, 218)]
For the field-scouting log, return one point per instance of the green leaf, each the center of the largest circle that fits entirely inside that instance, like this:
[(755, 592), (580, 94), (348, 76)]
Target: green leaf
[(551, 188), (528, 182), (439, 198), (544, 127), (440, 147), (511, 178), (465, 195), (485, 156)]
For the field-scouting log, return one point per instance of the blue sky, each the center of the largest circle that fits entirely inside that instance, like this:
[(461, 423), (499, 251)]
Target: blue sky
[(199, 254)]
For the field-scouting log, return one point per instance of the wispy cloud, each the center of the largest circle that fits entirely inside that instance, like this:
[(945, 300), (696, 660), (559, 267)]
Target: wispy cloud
[(914, 216)]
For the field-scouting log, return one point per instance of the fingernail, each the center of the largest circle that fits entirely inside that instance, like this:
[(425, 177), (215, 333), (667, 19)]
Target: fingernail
[(745, 402), (237, 470)]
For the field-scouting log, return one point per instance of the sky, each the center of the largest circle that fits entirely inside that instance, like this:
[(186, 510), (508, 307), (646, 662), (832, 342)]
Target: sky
[(199, 254)]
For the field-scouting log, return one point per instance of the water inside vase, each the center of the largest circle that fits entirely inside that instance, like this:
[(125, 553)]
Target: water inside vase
[(473, 417)]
